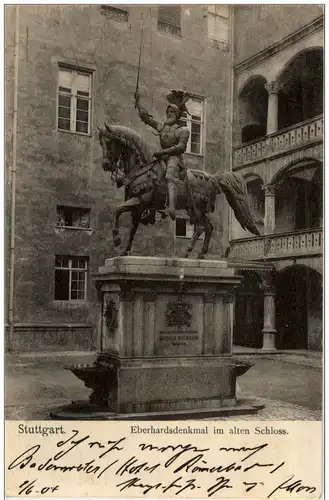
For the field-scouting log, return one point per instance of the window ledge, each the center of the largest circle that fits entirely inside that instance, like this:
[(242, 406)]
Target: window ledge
[(198, 155), (74, 133), (88, 229), (79, 302)]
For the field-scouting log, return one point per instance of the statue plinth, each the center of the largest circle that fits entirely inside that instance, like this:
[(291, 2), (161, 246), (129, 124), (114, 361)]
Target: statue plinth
[(165, 341)]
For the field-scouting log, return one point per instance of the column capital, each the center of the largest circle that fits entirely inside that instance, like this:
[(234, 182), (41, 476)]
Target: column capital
[(269, 189), (273, 87)]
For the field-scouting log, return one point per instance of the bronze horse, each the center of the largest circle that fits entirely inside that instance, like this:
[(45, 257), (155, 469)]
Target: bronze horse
[(129, 159)]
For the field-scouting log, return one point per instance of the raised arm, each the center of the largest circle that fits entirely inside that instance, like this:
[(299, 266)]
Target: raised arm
[(144, 115)]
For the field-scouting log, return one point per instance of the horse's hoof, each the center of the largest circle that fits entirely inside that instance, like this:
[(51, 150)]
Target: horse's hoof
[(117, 241)]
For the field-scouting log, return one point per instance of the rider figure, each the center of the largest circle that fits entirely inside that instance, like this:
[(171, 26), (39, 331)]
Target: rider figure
[(173, 140)]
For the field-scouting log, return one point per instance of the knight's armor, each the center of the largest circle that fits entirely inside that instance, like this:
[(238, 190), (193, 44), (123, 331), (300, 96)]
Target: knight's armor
[(173, 141)]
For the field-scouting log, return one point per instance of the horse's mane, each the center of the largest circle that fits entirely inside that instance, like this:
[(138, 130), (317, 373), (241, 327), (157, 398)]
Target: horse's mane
[(129, 137)]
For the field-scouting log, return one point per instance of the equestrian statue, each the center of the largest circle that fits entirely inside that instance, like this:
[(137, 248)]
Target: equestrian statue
[(159, 181)]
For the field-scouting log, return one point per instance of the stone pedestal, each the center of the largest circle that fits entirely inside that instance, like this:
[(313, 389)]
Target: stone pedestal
[(166, 337)]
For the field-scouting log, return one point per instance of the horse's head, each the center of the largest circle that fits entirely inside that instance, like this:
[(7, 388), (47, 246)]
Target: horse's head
[(112, 149)]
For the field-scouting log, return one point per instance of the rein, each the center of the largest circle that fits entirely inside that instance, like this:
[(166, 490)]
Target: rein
[(137, 170)]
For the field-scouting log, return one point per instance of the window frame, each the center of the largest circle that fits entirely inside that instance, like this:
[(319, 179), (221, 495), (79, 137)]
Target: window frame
[(168, 27), (188, 122), (71, 269), (75, 70), (215, 17), (82, 210)]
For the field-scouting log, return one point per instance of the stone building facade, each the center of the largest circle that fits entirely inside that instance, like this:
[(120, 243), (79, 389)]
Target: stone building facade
[(278, 148), (69, 69)]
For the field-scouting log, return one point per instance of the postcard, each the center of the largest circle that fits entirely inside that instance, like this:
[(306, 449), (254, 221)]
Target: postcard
[(164, 250)]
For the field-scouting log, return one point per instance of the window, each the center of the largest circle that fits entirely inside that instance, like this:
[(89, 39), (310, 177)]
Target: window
[(117, 13), (194, 122), (70, 278), (74, 100), (169, 19), (183, 228), (73, 217), (218, 22)]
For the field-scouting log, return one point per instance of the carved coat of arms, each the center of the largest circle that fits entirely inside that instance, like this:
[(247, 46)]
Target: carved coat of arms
[(111, 315), (178, 313)]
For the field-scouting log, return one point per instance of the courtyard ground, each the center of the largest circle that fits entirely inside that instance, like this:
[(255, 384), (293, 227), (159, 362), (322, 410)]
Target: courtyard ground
[(290, 385)]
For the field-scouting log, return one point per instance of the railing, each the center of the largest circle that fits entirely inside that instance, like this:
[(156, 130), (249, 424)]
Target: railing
[(170, 29), (295, 243), (284, 140)]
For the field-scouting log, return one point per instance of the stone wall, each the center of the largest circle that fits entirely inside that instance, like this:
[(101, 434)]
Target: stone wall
[(257, 27)]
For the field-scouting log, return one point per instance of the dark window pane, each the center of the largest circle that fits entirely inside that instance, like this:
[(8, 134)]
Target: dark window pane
[(64, 112), (82, 104), (61, 261), (82, 127), (82, 116), (195, 148), (198, 118), (81, 92), (74, 275), (180, 227), (61, 284), (65, 89), (64, 101), (63, 124), (196, 128), (74, 295)]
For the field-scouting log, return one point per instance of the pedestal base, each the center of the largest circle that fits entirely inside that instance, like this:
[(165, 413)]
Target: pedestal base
[(166, 341), (82, 410)]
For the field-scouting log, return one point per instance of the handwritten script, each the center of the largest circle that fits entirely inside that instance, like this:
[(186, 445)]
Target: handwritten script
[(80, 463)]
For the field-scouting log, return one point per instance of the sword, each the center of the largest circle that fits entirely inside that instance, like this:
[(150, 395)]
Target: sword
[(139, 67)]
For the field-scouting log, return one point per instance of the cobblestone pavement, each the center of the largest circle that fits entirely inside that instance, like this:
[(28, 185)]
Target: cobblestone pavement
[(289, 389)]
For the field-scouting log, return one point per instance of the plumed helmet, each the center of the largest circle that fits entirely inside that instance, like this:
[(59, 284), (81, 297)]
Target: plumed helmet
[(177, 100)]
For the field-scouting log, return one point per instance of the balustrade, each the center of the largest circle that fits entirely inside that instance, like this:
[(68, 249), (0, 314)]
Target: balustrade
[(304, 242), (284, 140)]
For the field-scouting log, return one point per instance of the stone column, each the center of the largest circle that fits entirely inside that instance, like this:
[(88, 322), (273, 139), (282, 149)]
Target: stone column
[(208, 329), (150, 313), (228, 324), (269, 222), (272, 107), (126, 319), (269, 331)]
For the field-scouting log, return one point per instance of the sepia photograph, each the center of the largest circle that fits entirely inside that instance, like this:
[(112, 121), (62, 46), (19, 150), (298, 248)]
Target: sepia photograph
[(163, 214)]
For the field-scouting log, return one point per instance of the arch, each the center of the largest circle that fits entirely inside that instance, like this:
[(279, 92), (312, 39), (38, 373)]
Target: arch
[(252, 109), (248, 80), (277, 177), (302, 267), (300, 81), (292, 58), (252, 176)]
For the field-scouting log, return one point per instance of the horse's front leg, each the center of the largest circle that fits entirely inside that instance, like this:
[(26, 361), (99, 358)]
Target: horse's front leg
[(136, 217), (127, 206), (197, 233), (208, 232)]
